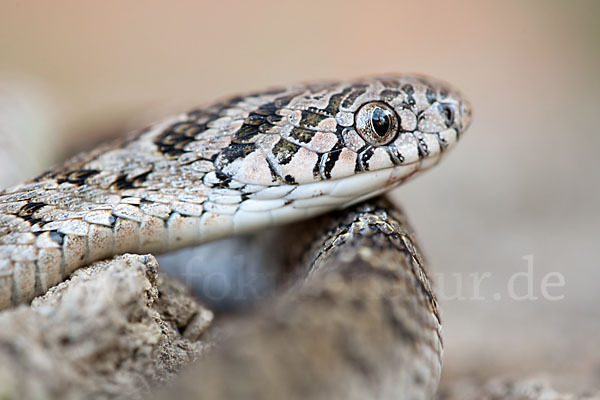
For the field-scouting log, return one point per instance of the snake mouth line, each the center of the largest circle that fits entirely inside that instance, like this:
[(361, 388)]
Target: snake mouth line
[(391, 184), (344, 192)]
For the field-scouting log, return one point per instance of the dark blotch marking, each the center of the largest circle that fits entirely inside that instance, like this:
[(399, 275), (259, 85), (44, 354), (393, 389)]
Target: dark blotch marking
[(362, 161), (284, 100), (317, 170), (261, 120), (332, 158), (224, 181), (430, 95), (389, 94), (409, 103), (256, 118), (395, 155), (76, 177), (124, 183), (26, 212), (30, 208), (174, 139), (357, 91), (311, 118), (203, 115), (302, 135), (273, 119), (246, 134), (221, 175), (275, 177), (289, 180), (335, 100), (448, 112), (408, 89), (285, 151), (423, 149), (237, 150), (442, 141)]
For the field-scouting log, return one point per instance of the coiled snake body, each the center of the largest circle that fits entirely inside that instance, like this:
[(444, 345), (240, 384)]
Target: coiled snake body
[(240, 165)]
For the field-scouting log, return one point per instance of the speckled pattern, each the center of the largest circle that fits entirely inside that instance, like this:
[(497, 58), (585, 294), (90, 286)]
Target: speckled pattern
[(231, 167)]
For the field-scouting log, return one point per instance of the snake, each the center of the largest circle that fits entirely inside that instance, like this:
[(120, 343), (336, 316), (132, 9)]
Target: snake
[(240, 165)]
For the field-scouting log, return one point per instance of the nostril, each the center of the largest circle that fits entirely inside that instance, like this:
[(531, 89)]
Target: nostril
[(447, 112)]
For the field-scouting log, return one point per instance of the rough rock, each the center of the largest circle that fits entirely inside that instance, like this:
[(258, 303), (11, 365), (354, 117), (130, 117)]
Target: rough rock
[(114, 330)]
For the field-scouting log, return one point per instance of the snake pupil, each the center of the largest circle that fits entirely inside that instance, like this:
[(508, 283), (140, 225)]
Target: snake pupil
[(381, 121)]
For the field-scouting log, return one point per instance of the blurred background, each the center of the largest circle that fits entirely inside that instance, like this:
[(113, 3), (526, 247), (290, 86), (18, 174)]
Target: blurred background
[(519, 195)]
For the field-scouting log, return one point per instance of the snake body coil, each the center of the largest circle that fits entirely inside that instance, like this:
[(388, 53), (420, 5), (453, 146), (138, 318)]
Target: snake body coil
[(363, 324)]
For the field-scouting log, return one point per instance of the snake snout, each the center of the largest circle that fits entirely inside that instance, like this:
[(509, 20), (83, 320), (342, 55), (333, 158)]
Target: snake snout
[(466, 114)]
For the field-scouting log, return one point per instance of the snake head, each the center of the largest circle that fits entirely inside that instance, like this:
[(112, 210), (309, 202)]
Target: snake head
[(343, 141)]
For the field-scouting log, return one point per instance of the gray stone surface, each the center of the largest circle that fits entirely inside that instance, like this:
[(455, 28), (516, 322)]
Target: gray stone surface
[(114, 330)]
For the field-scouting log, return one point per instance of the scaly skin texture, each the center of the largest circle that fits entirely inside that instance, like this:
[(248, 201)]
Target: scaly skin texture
[(234, 166), (363, 324)]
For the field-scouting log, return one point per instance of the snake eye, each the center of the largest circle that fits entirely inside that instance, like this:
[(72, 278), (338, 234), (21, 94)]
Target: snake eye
[(377, 123)]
